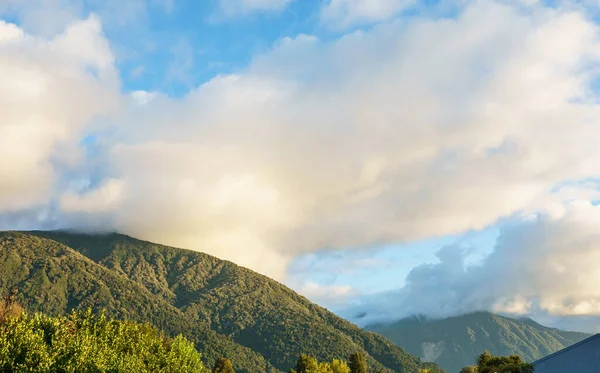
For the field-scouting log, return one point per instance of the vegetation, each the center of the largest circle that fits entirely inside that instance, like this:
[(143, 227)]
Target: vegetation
[(224, 309), (358, 363), (223, 365), (83, 342), (308, 364), (9, 307), (488, 363), (457, 341)]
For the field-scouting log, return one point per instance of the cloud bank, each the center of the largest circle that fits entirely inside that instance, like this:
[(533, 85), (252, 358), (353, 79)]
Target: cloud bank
[(413, 129), (51, 89), (544, 265)]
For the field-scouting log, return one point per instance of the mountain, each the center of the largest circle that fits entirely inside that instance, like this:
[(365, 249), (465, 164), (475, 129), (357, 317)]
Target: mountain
[(225, 309), (456, 342)]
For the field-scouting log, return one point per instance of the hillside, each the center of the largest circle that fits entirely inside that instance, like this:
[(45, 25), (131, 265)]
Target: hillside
[(225, 309), (457, 341)]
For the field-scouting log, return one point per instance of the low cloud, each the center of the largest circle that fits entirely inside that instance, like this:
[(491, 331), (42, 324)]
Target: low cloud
[(329, 296), (543, 266)]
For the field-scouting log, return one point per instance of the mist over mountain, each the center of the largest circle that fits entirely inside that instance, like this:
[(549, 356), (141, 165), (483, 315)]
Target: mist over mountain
[(456, 342)]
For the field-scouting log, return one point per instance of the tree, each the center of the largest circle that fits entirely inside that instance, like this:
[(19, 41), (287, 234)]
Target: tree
[(358, 363), (325, 368), (469, 369), (9, 307), (307, 364), (484, 359), (84, 342), (487, 363), (223, 365), (339, 366)]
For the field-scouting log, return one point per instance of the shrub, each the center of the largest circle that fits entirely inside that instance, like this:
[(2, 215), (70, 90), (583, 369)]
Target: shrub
[(83, 342)]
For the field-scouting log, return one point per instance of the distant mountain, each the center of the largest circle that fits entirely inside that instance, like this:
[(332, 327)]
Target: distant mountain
[(456, 342), (226, 310)]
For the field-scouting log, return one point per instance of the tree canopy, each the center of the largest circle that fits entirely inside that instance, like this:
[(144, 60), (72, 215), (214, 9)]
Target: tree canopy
[(84, 342), (223, 365), (308, 364), (488, 363), (358, 363)]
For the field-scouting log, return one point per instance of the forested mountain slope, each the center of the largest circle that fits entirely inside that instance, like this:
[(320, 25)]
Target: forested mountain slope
[(456, 342), (225, 309)]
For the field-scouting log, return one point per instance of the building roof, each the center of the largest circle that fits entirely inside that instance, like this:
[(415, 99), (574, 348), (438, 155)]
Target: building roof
[(587, 340)]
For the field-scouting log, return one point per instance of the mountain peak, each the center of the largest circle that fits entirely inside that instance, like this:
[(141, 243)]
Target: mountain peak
[(227, 310), (455, 342)]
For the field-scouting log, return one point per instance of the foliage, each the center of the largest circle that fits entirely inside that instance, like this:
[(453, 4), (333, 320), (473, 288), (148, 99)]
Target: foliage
[(459, 340), (339, 366), (226, 310), (469, 369), (307, 364), (9, 307), (223, 365), (83, 342), (488, 363), (358, 363)]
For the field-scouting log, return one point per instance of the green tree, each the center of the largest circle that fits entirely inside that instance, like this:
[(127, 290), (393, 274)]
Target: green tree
[(325, 368), (83, 342), (223, 365), (358, 363), (469, 369), (487, 363), (339, 366), (307, 364), (9, 307)]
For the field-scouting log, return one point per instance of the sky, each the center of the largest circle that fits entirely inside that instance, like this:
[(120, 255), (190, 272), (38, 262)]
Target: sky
[(382, 157)]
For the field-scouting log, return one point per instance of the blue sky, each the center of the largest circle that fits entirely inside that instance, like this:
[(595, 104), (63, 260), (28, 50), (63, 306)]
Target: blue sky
[(372, 154), (174, 46), (194, 42), (384, 268)]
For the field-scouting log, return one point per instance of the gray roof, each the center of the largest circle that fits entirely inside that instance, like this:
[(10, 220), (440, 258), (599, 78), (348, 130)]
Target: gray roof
[(582, 357)]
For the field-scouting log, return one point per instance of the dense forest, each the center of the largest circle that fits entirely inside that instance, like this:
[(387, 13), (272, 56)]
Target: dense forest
[(223, 309), (488, 363), (455, 342), (85, 342), (115, 304)]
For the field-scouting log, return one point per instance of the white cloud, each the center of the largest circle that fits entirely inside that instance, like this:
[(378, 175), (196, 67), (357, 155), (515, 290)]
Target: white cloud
[(234, 8), (143, 97), (102, 199), (406, 131), (327, 295), (340, 14), (50, 89), (10, 32), (544, 267), (51, 17)]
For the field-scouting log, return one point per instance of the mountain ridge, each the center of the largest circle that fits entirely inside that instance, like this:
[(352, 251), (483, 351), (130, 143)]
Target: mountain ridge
[(224, 308), (455, 342)]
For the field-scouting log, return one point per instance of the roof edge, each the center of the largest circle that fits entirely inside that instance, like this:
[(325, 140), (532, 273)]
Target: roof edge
[(597, 335)]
